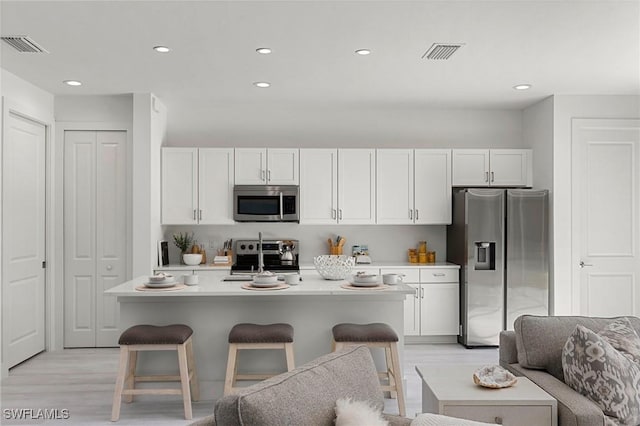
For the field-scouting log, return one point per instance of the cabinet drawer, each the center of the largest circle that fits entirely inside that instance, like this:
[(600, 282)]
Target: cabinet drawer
[(439, 275), (410, 275), (509, 415)]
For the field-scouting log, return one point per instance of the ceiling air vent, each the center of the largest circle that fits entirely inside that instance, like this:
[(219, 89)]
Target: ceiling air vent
[(23, 44), (442, 50)]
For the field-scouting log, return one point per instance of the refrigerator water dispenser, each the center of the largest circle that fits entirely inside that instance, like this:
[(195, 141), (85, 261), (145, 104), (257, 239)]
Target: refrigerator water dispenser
[(485, 256)]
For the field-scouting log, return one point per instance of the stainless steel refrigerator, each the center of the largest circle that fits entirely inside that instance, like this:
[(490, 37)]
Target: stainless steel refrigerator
[(499, 237)]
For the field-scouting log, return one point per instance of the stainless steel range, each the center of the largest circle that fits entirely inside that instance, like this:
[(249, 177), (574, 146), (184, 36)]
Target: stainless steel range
[(279, 256)]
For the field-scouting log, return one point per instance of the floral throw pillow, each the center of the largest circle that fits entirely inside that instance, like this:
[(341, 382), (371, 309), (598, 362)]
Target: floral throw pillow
[(623, 337), (598, 371)]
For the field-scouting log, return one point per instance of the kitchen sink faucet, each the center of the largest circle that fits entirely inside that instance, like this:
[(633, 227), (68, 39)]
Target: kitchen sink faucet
[(260, 254)]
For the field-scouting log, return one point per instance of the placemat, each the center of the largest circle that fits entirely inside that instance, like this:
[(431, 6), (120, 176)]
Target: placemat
[(174, 288), (378, 287), (250, 287)]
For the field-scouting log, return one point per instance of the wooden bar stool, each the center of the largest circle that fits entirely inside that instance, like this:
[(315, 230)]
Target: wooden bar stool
[(376, 335), (256, 336), (138, 338)]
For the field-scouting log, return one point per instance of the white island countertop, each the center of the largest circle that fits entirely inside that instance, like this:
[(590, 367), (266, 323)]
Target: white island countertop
[(310, 286)]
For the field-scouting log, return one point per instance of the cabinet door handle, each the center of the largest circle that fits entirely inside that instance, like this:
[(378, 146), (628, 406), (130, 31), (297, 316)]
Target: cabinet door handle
[(410, 214), (486, 176), (415, 294), (334, 214), (498, 420), (199, 214), (194, 214), (492, 177), (269, 175), (262, 174), (438, 274), (421, 292), (340, 214), (417, 216)]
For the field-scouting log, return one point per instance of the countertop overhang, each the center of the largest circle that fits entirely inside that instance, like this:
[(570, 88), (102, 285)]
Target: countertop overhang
[(212, 287)]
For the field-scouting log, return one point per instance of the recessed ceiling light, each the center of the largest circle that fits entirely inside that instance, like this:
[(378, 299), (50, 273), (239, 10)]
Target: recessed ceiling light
[(72, 83), (262, 84), (263, 50), (162, 49), (363, 52), (522, 87)]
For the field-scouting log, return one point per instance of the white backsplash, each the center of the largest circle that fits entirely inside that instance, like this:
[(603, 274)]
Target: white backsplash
[(387, 243)]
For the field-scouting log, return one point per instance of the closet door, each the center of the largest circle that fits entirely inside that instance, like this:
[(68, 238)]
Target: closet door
[(95, 234)]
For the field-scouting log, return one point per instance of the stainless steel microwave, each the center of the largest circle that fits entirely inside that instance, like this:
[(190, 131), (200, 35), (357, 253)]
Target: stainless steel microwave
[(266, 203)]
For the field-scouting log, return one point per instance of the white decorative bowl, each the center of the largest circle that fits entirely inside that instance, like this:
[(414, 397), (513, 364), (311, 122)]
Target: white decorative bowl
[(494, 376), (334, 267), (160, 278), (365, 278), (192, 259)]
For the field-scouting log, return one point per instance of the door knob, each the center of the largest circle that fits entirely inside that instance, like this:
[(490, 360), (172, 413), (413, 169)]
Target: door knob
[(582, 264), (109, 267)]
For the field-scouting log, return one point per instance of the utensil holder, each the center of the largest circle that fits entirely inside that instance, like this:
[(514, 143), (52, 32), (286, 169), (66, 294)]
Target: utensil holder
[(335, 249)]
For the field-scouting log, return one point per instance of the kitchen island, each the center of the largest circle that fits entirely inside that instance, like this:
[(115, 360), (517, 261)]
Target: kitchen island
[(212, 307)]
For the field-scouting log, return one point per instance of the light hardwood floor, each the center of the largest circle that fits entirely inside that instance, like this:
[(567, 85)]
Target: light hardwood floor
[(82, 381)]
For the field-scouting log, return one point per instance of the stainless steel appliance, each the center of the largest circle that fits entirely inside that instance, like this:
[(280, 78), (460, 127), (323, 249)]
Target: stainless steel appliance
[(499, 237), (279, 256), (266, 203)]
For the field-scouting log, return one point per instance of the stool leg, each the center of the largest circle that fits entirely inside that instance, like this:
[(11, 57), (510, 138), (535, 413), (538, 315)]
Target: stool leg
[(230, 377), (130, 380), (288, 351), (184, 381), (397, 373), (392, 380), (117, 394), (195, 387), (333, 345)]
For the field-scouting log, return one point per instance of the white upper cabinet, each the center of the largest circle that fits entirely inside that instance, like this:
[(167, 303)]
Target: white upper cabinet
[(432, 183), (179, 185), (492, 167), (394, 186), (356, 186), (318, 186), (215, 186), (337, 186), (262, 166), (197, 186), (413, 186)]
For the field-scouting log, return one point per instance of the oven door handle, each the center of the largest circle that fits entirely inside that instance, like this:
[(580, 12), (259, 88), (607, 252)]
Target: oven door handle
[(281, 207)]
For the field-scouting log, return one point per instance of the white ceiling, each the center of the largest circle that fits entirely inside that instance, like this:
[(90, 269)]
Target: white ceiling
[(560, 47)]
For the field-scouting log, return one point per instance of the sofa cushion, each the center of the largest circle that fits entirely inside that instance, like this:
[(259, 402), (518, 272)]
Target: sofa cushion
[(307, 394), (621, 335), (597, 370), (540, 339)]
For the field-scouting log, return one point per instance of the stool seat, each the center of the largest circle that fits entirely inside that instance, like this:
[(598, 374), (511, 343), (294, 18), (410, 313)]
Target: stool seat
[(376, 332), (175, 334), (261, 333)]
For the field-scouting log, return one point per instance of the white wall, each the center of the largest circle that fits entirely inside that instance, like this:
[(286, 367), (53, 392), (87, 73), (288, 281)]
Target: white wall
[(353, 126), (537, 131), (85, 108), (566, 108), (38, 104)]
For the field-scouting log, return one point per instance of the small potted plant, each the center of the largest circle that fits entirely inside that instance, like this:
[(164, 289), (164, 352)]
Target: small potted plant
[(183, 242)]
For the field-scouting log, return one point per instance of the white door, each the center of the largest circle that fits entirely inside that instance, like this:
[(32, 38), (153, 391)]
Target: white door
[(356, 186), (470, 167), (432, 174), (605, 188), (23, 216), (250, 166), (318, 186), (394, 186), (439, 305), (179, 186), (215, 186), (95, 212), (282, 166)]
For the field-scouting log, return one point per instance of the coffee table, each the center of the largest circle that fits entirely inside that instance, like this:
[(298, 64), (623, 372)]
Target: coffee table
[(449, 390)]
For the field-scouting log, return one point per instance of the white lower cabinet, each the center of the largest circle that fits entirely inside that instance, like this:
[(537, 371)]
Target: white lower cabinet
[(433, 310)]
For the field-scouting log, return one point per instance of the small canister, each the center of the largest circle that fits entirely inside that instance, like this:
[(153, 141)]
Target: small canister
[(431, 257), (422, 257), (413, 255), (422, 247)]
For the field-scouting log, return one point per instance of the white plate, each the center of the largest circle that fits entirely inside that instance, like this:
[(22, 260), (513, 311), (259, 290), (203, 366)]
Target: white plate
[(160, 279), (160, 285), (264, 284), (355, 284)]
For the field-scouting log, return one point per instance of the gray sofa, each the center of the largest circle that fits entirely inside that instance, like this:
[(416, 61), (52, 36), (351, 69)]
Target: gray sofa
[(534, 350), (305, 396)]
